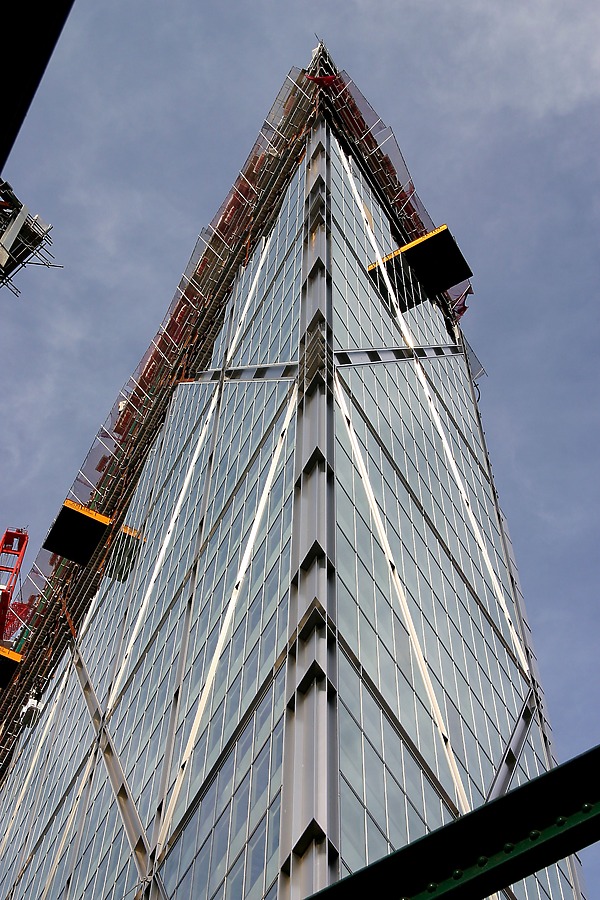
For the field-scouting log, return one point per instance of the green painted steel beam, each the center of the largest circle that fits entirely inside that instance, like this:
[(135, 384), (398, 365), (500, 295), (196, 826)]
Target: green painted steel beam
[(494, 846)]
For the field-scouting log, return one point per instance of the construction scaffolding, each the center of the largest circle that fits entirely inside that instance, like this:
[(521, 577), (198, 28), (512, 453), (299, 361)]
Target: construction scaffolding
[(23, 238), (61, 589)]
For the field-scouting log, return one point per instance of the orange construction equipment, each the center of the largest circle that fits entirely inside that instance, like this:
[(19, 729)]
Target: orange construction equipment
[(12, 551)]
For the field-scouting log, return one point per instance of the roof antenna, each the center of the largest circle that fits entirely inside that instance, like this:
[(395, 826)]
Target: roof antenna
[(317, 48)]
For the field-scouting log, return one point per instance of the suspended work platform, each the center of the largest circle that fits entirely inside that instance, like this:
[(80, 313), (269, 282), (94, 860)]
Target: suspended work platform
[(435, 258), (9, 661), (76, 532)]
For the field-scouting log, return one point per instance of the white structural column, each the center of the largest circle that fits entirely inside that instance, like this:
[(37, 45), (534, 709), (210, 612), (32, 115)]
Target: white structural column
[(309, 847), (435, 416), (251, 293), (66, 834), (132, 823), (202, 437), (225, 626), (162, 553), (505, 769), (442, 728)]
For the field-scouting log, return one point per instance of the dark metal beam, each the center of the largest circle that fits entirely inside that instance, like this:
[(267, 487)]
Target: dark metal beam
[(494, 846), (27, 45)]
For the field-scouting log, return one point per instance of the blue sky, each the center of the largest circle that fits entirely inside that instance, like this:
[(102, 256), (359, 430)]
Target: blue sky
[(143, 119)]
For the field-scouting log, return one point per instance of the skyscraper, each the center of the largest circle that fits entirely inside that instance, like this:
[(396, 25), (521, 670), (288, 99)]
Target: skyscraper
[(276, 629)]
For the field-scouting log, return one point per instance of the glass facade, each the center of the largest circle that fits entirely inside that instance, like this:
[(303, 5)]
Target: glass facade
[(308, 646)]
